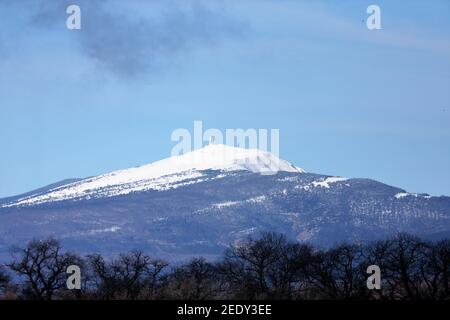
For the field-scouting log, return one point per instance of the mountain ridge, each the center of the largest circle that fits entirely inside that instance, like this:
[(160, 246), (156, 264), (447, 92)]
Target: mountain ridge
[(207, 210)]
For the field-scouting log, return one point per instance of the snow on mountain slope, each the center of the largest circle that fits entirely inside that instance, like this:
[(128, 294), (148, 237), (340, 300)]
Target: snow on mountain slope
[(326, 182), (165, 174)]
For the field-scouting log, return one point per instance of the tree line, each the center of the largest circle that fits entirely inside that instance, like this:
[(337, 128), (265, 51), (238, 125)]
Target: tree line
[(266, 267)]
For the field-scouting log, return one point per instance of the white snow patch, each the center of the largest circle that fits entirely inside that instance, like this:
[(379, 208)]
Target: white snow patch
[(258, 199), (401, 195), (225, 204), (247, 231), (326, 183), (288, 179), (97, 231), (301, 170)]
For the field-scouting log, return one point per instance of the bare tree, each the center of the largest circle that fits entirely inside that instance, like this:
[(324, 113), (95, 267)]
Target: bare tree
[(4, 280), (42, 265), (250, 266), (289, 274), (405, 257), (154, 279), (337, 273), (103, 277), (130, 276), (196, 280), (267, 267), (132, 270), (436, 270)]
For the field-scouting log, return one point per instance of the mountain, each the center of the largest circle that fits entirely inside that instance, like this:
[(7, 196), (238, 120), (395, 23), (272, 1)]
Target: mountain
[(166, 174), (201, 202)]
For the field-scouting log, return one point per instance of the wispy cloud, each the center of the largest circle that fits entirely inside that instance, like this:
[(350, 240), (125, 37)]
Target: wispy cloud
[(140, 37)]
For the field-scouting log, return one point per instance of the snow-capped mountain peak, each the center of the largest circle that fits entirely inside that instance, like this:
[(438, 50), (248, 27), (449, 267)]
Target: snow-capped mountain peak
[(224, 157), (165, 174)]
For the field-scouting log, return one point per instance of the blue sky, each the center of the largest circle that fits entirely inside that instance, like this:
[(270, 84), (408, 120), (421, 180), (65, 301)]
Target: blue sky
[(348, 101)]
